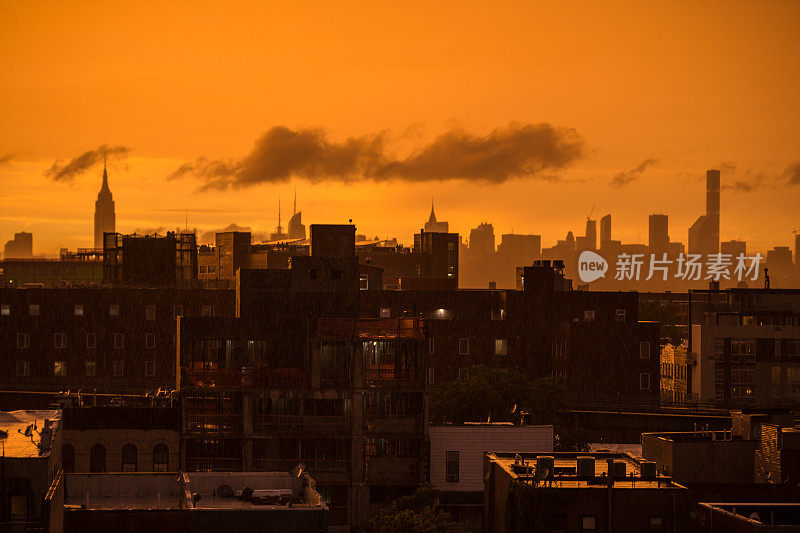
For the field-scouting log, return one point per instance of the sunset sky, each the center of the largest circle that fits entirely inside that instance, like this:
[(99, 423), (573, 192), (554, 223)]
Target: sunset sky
[(524, 114)]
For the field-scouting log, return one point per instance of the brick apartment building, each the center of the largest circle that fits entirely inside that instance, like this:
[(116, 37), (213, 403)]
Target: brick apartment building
[(745, 347), (113, 339)]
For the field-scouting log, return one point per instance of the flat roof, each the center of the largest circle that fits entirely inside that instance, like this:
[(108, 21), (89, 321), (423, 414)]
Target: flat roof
[(14, 425), (191, 490), (565, 475)]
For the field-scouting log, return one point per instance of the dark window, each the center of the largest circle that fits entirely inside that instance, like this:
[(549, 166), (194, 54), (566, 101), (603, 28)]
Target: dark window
[(656, 523), (588, 523), (97, 458), (336, 274), (463, 346), (129, 458), (451, 460), (67, 458), (160, 458)]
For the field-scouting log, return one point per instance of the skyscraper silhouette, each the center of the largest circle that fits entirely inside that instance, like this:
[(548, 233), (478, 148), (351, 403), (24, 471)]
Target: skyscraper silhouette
[(704, 233), (104, 216)]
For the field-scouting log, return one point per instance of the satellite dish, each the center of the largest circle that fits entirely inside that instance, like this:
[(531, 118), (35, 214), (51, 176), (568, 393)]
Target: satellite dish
[(514, 409), (29, 430), (542, 474), (225, 491)]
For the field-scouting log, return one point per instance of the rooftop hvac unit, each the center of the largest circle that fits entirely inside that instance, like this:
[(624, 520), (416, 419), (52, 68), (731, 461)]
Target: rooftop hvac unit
[(586, 467), (648, 470), (620, 469)]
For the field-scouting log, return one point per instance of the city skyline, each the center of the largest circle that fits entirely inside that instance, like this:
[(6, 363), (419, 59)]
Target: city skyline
[(650, 106)]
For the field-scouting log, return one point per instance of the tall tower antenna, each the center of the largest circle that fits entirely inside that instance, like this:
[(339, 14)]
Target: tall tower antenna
[(294, 208), (279, 214)]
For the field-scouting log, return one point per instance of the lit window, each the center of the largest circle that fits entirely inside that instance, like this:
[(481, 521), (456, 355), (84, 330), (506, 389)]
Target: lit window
[(22, 340), (150, 312), (118, 369), (5, 310), (588, 315), (33, 310), (500, 346), (150, 368), (644, 350), (78, 310), (119, 340), (463, 346), (59, 368), (19, 507), (451, 461), (23, 368), (363, 282), (619, 316), (90, 368), (59, 340), (113, 310), (386, 312), (644, 381), (150, 341), (91, 340)]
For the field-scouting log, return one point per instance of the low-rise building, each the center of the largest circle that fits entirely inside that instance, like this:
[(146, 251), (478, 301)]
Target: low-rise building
[(196, 502), (749, 518), (31, 471), (577, 492), (456, 461)]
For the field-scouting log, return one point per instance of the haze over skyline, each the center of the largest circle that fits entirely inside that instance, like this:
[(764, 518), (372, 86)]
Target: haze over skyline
[(622, 109)]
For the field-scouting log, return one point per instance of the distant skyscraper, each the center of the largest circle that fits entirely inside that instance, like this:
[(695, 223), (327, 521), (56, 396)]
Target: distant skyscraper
[(433, 226), (605, 229), (704, 233), (659, 234), (297, 229), (733, 248), (279, 235), (797, 248), (104, 216), (481, 239), (20, 247), (591, 233)]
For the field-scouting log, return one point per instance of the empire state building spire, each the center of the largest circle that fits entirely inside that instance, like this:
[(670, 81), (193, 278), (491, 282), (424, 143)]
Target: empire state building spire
[(104, 215)]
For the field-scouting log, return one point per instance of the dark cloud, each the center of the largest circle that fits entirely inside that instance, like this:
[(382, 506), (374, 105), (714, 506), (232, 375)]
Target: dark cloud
[(624, 178), (792, 173), (516, 151), (161, 230), (5, 159), (746, 181), (78, 165), (209, 237)]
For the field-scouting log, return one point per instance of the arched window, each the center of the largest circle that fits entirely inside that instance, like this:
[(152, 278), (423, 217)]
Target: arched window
[(129, 458), (161, 458), (67, 458), (97, 458)]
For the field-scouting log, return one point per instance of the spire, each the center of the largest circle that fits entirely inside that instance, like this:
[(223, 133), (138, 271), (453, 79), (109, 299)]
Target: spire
[(279, 213), (432, 218), (104, 187), (294, 209)]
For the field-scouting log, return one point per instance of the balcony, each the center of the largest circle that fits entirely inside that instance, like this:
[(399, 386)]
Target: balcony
[(213, 423), (260, 376), (305, 424)]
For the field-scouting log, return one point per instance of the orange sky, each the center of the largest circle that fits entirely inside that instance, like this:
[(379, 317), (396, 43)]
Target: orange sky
[(692, 85)]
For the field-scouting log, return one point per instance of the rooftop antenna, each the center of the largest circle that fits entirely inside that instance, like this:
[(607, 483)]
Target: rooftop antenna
[(294, 208), (187, 220), (589, 216)]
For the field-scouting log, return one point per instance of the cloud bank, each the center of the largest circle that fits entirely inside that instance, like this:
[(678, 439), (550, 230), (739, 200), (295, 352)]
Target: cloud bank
[(516, 151)]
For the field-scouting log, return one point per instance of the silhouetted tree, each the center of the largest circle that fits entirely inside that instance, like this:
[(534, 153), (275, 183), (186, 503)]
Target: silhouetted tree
[(500, 396), (415, 513)]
